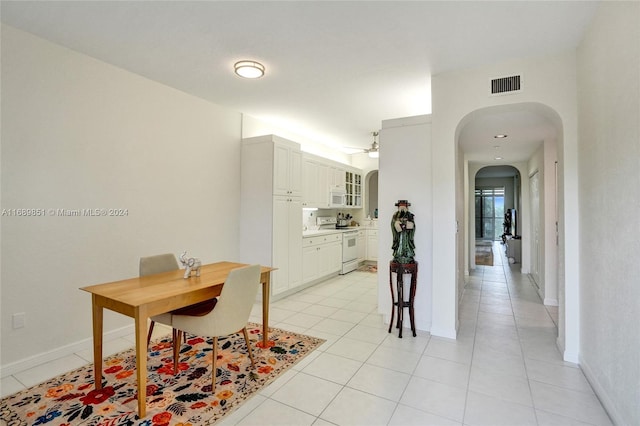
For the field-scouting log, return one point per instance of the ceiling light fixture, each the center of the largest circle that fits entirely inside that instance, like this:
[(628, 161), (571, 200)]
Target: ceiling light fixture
[(374, 154), (249, 69), (500, 136), (498, 158)]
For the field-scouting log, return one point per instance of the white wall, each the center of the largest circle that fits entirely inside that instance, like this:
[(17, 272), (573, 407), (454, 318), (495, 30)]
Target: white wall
[(405, 173), (609, 162), (78, 133)]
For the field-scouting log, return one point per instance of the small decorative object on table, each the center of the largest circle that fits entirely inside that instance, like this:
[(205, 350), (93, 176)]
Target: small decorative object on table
[(403, 227), (191, 264)]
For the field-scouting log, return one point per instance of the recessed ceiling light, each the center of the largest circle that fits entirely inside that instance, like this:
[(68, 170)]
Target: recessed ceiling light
[(498, 158), (500, 136), (249, 69)]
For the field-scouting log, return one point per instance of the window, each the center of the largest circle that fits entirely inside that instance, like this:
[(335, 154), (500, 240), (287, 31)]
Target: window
[(489, 213)]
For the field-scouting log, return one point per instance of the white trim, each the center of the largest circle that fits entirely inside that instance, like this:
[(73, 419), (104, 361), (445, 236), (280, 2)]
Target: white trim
[(446, 333), (41, 358), (571, 357), (550, 302), (602, 395)]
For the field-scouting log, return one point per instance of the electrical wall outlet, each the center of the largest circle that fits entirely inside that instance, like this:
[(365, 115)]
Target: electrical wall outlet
[(18, 320)]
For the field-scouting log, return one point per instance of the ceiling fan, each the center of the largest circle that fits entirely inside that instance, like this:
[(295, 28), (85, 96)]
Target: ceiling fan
[(373, 152)]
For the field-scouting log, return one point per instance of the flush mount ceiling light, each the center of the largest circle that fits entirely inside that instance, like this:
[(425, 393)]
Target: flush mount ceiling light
[(249, 69), (501, 136)]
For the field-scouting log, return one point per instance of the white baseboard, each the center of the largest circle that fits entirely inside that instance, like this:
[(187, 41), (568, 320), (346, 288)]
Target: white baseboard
[(602, 395), (550, 302), (446, 333), (41, 358), (571, 357)]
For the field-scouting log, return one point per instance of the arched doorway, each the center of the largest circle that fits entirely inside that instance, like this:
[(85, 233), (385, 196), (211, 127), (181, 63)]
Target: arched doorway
[(526, 136), (496, 206), (371, 200)]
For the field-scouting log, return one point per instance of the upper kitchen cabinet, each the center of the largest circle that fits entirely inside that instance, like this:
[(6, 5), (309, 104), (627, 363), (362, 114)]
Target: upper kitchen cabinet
[(287, 167), (315, 191), (337, 177), (353, 186), (277, 158), (322, 176)]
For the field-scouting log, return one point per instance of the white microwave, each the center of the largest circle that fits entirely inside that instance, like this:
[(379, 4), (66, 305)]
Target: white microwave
[(337, 197)]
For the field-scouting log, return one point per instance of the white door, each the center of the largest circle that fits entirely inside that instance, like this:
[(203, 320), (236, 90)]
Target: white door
[(295, 172), (310, 264), (372, 245), (281, 170), (534, 186)]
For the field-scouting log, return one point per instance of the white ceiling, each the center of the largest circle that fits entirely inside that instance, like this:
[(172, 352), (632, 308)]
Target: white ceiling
[(334, 69)]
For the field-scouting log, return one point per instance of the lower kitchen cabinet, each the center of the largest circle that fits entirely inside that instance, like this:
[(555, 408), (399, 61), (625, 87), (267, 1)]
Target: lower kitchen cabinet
[(362, 245), (321, 256), (372, 244), (286, 244)]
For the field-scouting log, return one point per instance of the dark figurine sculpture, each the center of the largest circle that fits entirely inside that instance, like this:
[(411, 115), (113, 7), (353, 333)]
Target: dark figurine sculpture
[(403, 228)]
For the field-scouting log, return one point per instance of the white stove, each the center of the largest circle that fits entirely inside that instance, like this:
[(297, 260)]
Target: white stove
[(349, 243)]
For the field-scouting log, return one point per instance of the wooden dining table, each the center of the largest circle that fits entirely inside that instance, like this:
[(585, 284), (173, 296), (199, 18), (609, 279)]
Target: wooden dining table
[(143, 297)]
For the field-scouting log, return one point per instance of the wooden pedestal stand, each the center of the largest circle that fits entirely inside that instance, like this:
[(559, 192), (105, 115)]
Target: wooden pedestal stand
[(399, 303)]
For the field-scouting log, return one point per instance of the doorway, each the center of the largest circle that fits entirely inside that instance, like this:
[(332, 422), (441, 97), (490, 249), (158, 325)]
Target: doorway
[(489, 213), (371, 202)]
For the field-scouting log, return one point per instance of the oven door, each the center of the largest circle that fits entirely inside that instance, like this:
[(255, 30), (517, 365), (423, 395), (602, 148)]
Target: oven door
[(349, 246)]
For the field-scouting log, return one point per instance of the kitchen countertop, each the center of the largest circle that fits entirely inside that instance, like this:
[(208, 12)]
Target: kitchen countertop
[(315, 232)]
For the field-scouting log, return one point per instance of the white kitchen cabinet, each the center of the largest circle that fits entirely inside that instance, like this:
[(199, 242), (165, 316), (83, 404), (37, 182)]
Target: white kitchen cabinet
[(271, 224), (287, 168), (321, 256), (372, 244), (362, 245), (287, 244), (315, 191), (331, 258), (353, 187), (310, 264), (337, 177), (321, 175)]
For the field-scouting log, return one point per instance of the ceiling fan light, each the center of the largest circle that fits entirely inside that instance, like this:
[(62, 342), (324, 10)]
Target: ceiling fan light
[(374, 154), (249, 69)]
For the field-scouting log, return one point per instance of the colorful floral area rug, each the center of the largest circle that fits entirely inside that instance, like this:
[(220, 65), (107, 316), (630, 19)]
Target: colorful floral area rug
[(182, 399)]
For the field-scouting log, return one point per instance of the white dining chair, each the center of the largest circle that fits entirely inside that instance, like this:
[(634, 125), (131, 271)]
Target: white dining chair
[(158, 264), (230, 315)]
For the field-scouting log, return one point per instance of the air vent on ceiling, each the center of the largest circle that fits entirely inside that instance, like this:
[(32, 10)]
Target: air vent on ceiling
[(505, 85)]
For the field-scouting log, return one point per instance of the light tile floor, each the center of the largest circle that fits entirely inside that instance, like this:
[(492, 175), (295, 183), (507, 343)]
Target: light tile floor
[(504, 368)]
